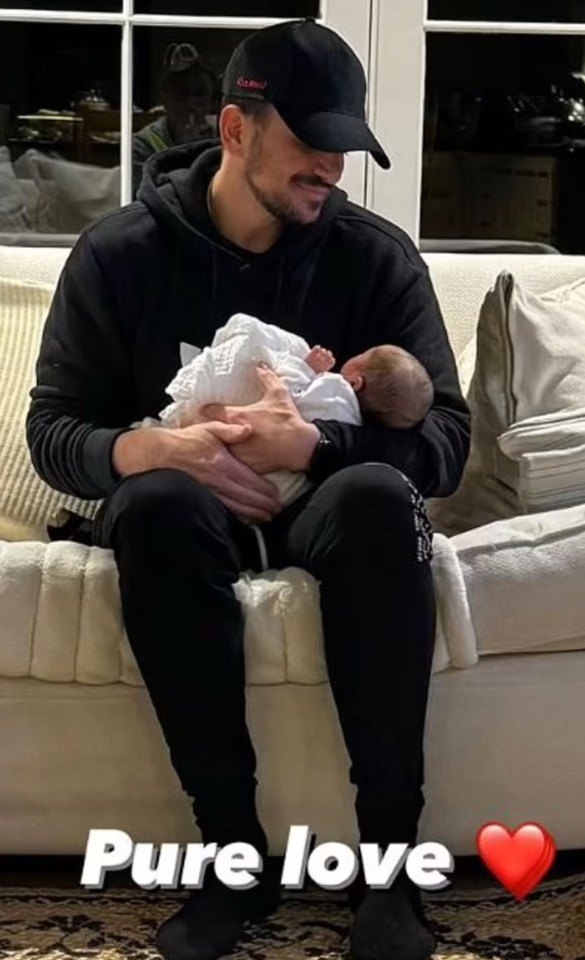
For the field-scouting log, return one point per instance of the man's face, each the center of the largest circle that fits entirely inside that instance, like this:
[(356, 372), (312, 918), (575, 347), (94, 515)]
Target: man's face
[(289, 179)]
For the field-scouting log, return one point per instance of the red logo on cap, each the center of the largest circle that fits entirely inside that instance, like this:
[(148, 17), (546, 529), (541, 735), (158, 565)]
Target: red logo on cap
[(248, 84)]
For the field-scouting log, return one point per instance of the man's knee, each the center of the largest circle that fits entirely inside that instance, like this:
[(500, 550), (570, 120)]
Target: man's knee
[(369, 490), (160, 499), (374, 504)]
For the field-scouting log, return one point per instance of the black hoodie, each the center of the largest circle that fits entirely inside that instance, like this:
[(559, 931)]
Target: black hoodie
[(145, 278)]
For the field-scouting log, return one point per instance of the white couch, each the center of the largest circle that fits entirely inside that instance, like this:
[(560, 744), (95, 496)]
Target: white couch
[(79, 744)]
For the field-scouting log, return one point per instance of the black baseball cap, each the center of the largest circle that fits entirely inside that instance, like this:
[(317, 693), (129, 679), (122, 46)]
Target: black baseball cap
[(313, 79)]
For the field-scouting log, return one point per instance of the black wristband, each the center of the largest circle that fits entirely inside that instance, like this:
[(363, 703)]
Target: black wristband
[(322, 461)]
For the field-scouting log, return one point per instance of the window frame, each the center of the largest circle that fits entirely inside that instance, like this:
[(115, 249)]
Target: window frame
[(350, 18), (396, 83), (398, 94)]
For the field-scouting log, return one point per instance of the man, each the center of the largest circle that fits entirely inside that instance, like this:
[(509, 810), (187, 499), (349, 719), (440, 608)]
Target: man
[(187, 95), (257, 225)]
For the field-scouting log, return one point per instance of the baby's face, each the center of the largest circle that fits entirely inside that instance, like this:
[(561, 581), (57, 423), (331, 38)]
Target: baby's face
[(353, 371)]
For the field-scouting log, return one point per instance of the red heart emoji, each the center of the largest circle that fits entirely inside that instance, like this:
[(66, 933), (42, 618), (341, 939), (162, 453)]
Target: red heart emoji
[(519, 859)]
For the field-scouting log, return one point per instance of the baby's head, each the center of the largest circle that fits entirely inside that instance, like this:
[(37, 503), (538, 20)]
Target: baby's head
[(391, 385)]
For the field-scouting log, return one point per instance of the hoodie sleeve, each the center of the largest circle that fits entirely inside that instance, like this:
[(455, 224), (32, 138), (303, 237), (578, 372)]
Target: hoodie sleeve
[(433, 453), (80, 403)]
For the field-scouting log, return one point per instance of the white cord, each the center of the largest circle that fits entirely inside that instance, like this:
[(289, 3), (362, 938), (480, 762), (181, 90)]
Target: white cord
[(261, 547)]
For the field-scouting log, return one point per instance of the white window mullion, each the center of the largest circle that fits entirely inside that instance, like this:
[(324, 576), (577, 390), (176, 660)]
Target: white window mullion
[(398, 84), (351, 19), (488, 26), (126, 103), (227, 23), (372, 72), (61, 16)]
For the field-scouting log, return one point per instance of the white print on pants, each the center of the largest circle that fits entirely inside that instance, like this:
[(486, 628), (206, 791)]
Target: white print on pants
[(422, 525)]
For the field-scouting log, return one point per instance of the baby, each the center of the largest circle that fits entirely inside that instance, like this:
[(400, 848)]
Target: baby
[(391, 385), (385, 383)]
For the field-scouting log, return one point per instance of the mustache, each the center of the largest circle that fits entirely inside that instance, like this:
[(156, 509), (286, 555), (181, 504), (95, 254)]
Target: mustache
[(314, 182)]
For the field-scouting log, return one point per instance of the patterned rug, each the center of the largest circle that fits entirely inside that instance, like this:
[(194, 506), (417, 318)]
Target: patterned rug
[(120, 925)]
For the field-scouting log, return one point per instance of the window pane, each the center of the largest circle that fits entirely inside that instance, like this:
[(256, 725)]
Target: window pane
[(231, 8), (179, 102), (59, 126), (535, 11), (98, 6), (504, 151)]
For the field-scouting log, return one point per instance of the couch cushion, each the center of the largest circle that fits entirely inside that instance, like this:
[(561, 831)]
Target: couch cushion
[(524, 582), (462, 281), (512, 587), (32, 264), (13, 199), (26, 502), (62, 619), (550, 455), (77, 193), (530, 363), (40, 207)]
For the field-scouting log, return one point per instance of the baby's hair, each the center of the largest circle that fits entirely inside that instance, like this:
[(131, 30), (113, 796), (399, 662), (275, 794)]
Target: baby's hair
[(397, 389)]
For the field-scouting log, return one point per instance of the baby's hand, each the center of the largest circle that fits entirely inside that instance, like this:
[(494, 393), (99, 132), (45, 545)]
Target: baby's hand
[(320, 360)]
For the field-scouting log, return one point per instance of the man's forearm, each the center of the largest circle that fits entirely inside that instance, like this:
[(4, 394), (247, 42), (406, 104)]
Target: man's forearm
[(71, 456), (432, 456), (139, 450)]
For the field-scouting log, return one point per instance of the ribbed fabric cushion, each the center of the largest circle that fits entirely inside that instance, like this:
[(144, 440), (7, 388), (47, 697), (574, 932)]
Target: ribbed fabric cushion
[(61, 619), (512, 587), (32, 264), (550, 455), (26, 503)]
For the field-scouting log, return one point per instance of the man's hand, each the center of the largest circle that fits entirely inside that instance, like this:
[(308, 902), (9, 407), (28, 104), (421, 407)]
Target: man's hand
[(201, 451), (279, 439)]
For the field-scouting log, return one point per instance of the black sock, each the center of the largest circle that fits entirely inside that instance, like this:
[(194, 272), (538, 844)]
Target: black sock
[(390, 925), (210, 922)]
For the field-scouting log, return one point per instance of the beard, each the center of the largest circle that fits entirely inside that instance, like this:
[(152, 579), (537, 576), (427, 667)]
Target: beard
[(280, 207)]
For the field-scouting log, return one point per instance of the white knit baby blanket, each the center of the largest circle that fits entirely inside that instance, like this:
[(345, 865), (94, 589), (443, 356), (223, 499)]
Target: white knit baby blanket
[(225, 373)]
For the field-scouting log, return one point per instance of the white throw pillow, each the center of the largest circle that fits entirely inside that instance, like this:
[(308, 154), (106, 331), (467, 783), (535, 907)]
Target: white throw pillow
[(26, 503), (550, 454), (530, 363), (523, 582)]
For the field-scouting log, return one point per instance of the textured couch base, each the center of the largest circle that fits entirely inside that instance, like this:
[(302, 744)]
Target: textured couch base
[(492, 731)]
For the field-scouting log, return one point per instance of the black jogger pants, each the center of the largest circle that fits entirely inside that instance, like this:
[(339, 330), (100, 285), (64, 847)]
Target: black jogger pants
[(365, 536)]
